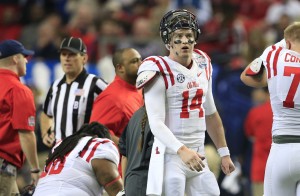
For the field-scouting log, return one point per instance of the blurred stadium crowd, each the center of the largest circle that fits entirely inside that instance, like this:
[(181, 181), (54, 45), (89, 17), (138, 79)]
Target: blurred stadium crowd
[(233, 32)]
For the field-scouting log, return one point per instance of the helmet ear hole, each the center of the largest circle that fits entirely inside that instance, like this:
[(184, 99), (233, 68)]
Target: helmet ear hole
[(178, 19)]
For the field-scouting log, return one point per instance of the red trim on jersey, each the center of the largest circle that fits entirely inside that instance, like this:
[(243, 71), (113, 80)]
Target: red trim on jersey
[(93, 149), (160, 69), (208, 67), (82, 153), (268, 60), (190, 65), (276, 60), (197, 51), (112, 182), (169, 70), (249, 72)]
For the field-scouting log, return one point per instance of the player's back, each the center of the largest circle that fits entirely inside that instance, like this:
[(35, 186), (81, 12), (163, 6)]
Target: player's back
[(75, 175), (283, 72)]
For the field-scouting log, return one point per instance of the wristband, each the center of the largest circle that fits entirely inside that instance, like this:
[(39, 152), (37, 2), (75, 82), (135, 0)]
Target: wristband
[(35, 171), (224, 151)]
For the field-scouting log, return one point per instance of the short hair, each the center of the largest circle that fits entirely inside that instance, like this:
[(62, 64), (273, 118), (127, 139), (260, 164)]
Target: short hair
[(118, 56), (292, 32)]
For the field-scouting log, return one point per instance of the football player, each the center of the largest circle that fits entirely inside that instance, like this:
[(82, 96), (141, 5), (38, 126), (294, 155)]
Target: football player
[(180, 108)]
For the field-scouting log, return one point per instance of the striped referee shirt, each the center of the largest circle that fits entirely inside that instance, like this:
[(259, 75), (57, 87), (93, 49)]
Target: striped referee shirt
[(71, 104)]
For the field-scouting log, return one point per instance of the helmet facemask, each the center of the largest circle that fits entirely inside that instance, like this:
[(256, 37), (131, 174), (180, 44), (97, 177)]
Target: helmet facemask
[(178, 19)]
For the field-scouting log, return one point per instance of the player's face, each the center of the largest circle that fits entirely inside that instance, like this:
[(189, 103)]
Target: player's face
[(72, 63), (21, 64), (131, 62), (182, 43)]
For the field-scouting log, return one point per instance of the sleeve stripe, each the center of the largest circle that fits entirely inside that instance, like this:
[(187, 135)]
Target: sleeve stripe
[(169, 70), (268, 61), (160, 69), (276, 60), (91, 154)]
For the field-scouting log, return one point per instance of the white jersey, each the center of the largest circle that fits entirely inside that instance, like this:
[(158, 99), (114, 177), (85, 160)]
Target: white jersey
[(75, 175), (188, 95), (283, 72)]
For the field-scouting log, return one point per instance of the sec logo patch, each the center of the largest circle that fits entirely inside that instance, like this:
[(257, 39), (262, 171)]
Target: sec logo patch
[(180, 78)]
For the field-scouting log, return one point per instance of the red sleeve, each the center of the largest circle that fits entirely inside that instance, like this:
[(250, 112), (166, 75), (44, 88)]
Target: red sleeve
[(107, 113), (23, 116)]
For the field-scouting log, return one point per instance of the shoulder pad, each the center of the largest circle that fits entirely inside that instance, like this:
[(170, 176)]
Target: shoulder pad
[(255, 67), (144, 78), (281, 44)]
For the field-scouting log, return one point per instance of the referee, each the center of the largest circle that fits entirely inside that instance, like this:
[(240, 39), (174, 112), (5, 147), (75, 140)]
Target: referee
[(69, 101)]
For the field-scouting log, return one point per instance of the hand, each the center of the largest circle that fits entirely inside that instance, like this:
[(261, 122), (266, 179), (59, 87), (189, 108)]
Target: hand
[(49, 138), (227, 165), (35, 178), (191, 158)]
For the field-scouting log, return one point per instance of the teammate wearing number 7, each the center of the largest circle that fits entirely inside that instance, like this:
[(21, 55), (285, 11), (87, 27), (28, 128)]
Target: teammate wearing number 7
[(279, 69), (180, 108)]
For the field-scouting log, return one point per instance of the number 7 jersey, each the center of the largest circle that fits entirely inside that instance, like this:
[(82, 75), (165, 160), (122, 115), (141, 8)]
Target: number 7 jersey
[(188, 95), (283, 72)]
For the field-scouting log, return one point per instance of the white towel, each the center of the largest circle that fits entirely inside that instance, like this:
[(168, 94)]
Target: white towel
[(231, 182), (156, 169)]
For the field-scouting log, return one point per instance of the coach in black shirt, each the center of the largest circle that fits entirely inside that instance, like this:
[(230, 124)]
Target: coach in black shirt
[(69, 101), (135, 146)]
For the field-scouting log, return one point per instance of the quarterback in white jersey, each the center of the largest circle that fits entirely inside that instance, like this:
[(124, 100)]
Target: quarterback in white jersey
[(180, 108), (82, 164), (279, 69)]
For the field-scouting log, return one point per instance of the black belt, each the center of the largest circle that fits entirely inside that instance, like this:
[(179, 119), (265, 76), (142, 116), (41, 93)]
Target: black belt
[(284, 139)]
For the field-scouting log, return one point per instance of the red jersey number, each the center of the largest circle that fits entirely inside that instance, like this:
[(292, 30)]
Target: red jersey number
[(195, 104), (54, 167), (288, 71), (57, 166)]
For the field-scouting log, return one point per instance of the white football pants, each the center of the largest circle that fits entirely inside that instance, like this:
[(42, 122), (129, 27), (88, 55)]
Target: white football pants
[(179, 179), (282, 175)]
